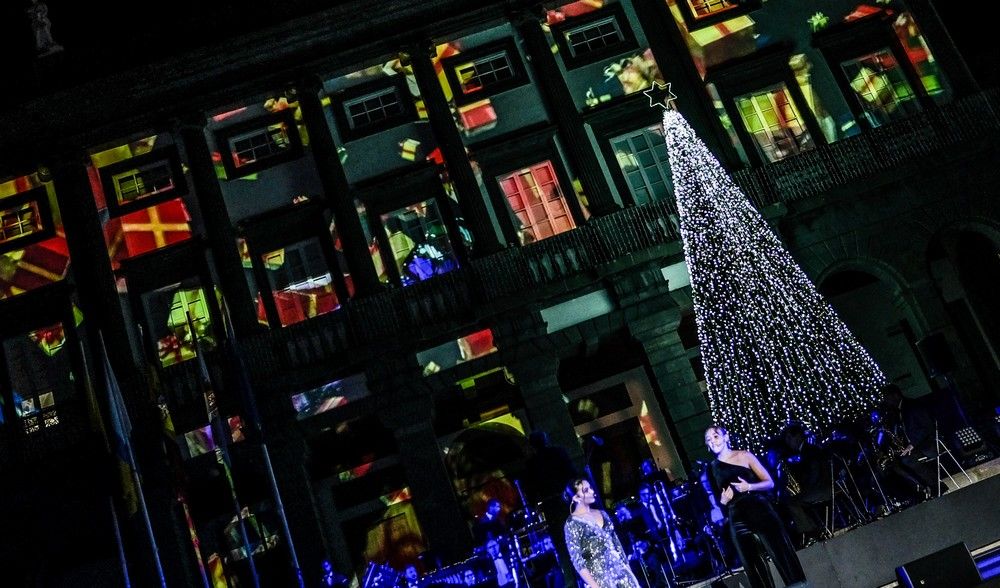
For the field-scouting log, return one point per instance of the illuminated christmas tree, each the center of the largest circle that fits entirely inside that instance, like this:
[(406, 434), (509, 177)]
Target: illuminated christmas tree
[(774, 350)]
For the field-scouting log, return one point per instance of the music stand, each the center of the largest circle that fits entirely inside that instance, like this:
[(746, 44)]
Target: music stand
[(943, 449)]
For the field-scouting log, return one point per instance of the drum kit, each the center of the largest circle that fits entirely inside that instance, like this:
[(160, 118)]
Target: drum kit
[(673, 534)]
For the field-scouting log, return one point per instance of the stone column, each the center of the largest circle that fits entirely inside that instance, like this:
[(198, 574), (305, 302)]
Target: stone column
[(470, 197), (561, 107), (101, 305), (218, 228), (289, 453), (537, 378), (338, 190), (675, 63), (406, 405), (652, 317)]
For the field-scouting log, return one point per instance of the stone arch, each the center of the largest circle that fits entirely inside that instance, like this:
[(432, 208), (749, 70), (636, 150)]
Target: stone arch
[(963, 265), (872, 299)]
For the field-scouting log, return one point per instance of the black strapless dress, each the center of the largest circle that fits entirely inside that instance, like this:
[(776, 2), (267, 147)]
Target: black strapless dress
[(750, 514)]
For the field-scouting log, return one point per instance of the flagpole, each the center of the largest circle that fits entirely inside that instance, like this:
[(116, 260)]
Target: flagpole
[(254, 419), (98, 422), (180, 494), (220, 440), (118, 540), (123, 427)]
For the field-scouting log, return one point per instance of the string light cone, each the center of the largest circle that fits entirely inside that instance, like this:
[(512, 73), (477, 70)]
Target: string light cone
[(773, 349)]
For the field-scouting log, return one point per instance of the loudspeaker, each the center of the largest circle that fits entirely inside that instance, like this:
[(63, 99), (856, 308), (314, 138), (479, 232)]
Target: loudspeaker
[(937, 355), (952, 567)]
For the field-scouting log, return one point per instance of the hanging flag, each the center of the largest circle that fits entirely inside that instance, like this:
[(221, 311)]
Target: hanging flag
[(121, 442), (121, 432), (220, 434)]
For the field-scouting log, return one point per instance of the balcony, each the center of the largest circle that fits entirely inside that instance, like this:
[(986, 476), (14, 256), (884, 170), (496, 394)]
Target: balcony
[(456, 303)]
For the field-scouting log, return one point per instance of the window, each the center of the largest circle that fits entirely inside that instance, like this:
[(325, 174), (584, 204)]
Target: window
[(883, 67), (418, 242), (703, 13), (41, 378), (594, 36), (300, 281), (143, 180), (484, 71), (642, 157), (259, 144), (172, 313), (373, 107), (537, 201), (774, 122), (249, 147), (24, 219), (880, 86)]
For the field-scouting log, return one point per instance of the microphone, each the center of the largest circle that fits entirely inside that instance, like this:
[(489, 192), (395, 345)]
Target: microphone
[(597, 440)]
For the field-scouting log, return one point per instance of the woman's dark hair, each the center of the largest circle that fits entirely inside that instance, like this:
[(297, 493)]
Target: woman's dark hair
[(717, 427), (571, 489)]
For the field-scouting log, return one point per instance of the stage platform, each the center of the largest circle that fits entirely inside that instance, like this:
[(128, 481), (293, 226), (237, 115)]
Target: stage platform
[(867, 557)]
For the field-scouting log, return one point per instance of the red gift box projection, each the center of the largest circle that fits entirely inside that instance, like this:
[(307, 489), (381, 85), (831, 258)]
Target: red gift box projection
[(148, 229), (34, 266)]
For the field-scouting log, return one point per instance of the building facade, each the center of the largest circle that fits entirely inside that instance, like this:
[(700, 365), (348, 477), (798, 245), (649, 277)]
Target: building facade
[(385, 250)]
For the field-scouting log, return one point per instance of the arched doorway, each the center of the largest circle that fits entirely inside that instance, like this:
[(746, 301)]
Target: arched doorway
[(964, 266), (874, 311)]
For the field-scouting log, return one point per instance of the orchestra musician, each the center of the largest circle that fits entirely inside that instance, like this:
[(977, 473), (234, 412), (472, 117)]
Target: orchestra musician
[(501, 565), (805, 482), (650, 474), (633, 533), (489, 526), (410, 577), (902, 432)]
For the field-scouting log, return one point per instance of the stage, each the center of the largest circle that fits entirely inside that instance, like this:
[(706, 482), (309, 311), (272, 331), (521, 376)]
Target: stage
[(867, 557)]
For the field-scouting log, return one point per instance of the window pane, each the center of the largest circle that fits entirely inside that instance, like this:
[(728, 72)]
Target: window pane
[(41, 377), (774, 121), (20, 221), (484, 72), (372, 108), (528, 186), (703, 8), (642, 155), (176, 316), (300, 281), (147, 180), (253, 146), (880, 87), (593, 36), (420, 245)]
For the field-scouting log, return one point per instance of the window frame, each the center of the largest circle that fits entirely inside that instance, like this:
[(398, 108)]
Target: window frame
[(846, 41), (287, 226), (617, 13), (694, 23), (28, 312), (518, 152), (519, 75), (339, 102), (225, 134), (762, 69), (394, 191), (40, 197), (168, 154)]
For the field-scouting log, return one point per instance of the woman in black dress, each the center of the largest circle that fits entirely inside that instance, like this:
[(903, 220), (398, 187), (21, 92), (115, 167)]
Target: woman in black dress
[(740, 482)]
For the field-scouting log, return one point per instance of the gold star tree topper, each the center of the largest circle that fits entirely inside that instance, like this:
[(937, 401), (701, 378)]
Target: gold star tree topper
[(659, 94)]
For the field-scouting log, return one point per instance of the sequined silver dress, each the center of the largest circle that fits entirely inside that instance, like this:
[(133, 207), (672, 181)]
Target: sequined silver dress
[(598, 550)]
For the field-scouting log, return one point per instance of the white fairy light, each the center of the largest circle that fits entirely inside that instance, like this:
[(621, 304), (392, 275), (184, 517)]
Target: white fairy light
[(773, 349)]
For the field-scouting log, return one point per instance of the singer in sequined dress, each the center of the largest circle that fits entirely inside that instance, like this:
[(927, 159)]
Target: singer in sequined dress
[(593, 547)]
